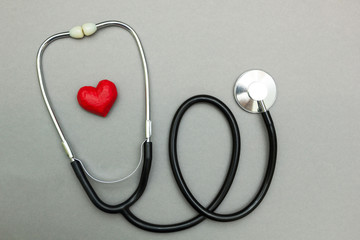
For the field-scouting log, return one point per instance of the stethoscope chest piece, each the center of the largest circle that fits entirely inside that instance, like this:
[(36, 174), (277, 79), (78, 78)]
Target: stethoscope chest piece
[(255, 91)]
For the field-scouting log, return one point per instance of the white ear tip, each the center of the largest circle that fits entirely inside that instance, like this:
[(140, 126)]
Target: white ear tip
[(76, 32), (89, 28)]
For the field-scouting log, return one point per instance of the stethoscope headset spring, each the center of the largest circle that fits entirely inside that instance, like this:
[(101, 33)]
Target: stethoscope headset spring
[(254, 91)]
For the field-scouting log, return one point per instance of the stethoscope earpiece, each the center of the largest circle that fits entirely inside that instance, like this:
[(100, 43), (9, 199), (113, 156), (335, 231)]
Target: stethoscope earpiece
[(255, 91)]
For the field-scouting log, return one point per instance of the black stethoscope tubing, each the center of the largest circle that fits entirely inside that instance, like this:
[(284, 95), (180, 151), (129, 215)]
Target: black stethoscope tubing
[(124, 207)]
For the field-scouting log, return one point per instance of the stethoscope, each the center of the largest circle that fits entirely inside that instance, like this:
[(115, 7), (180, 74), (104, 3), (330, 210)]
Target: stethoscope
[(254, 91)]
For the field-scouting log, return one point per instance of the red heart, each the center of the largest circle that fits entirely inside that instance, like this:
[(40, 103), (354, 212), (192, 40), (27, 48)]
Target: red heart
[(98, 100)]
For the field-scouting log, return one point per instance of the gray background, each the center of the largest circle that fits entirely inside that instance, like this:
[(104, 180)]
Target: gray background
[(311, 48)]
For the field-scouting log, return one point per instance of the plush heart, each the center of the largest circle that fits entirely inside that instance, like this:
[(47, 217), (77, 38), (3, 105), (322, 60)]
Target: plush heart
[(98, 100)]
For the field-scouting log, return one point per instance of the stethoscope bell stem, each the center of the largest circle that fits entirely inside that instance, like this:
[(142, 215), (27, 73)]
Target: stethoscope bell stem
[(255, 91)]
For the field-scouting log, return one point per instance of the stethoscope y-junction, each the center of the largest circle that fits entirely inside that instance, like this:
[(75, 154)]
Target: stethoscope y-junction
[(254, 91)]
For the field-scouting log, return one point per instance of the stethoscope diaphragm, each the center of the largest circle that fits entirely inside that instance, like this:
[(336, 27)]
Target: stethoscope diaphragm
[(255, 91)]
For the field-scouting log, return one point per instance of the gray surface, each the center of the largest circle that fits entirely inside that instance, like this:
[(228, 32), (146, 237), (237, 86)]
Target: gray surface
[(311, 48)]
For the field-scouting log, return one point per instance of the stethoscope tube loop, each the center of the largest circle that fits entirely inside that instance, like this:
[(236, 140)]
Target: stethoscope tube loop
[(180, 179), (230, 175), (236, 143), (124, 208)]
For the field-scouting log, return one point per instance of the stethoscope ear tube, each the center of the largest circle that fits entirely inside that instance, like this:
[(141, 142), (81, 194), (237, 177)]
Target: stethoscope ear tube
[(95, 199)]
